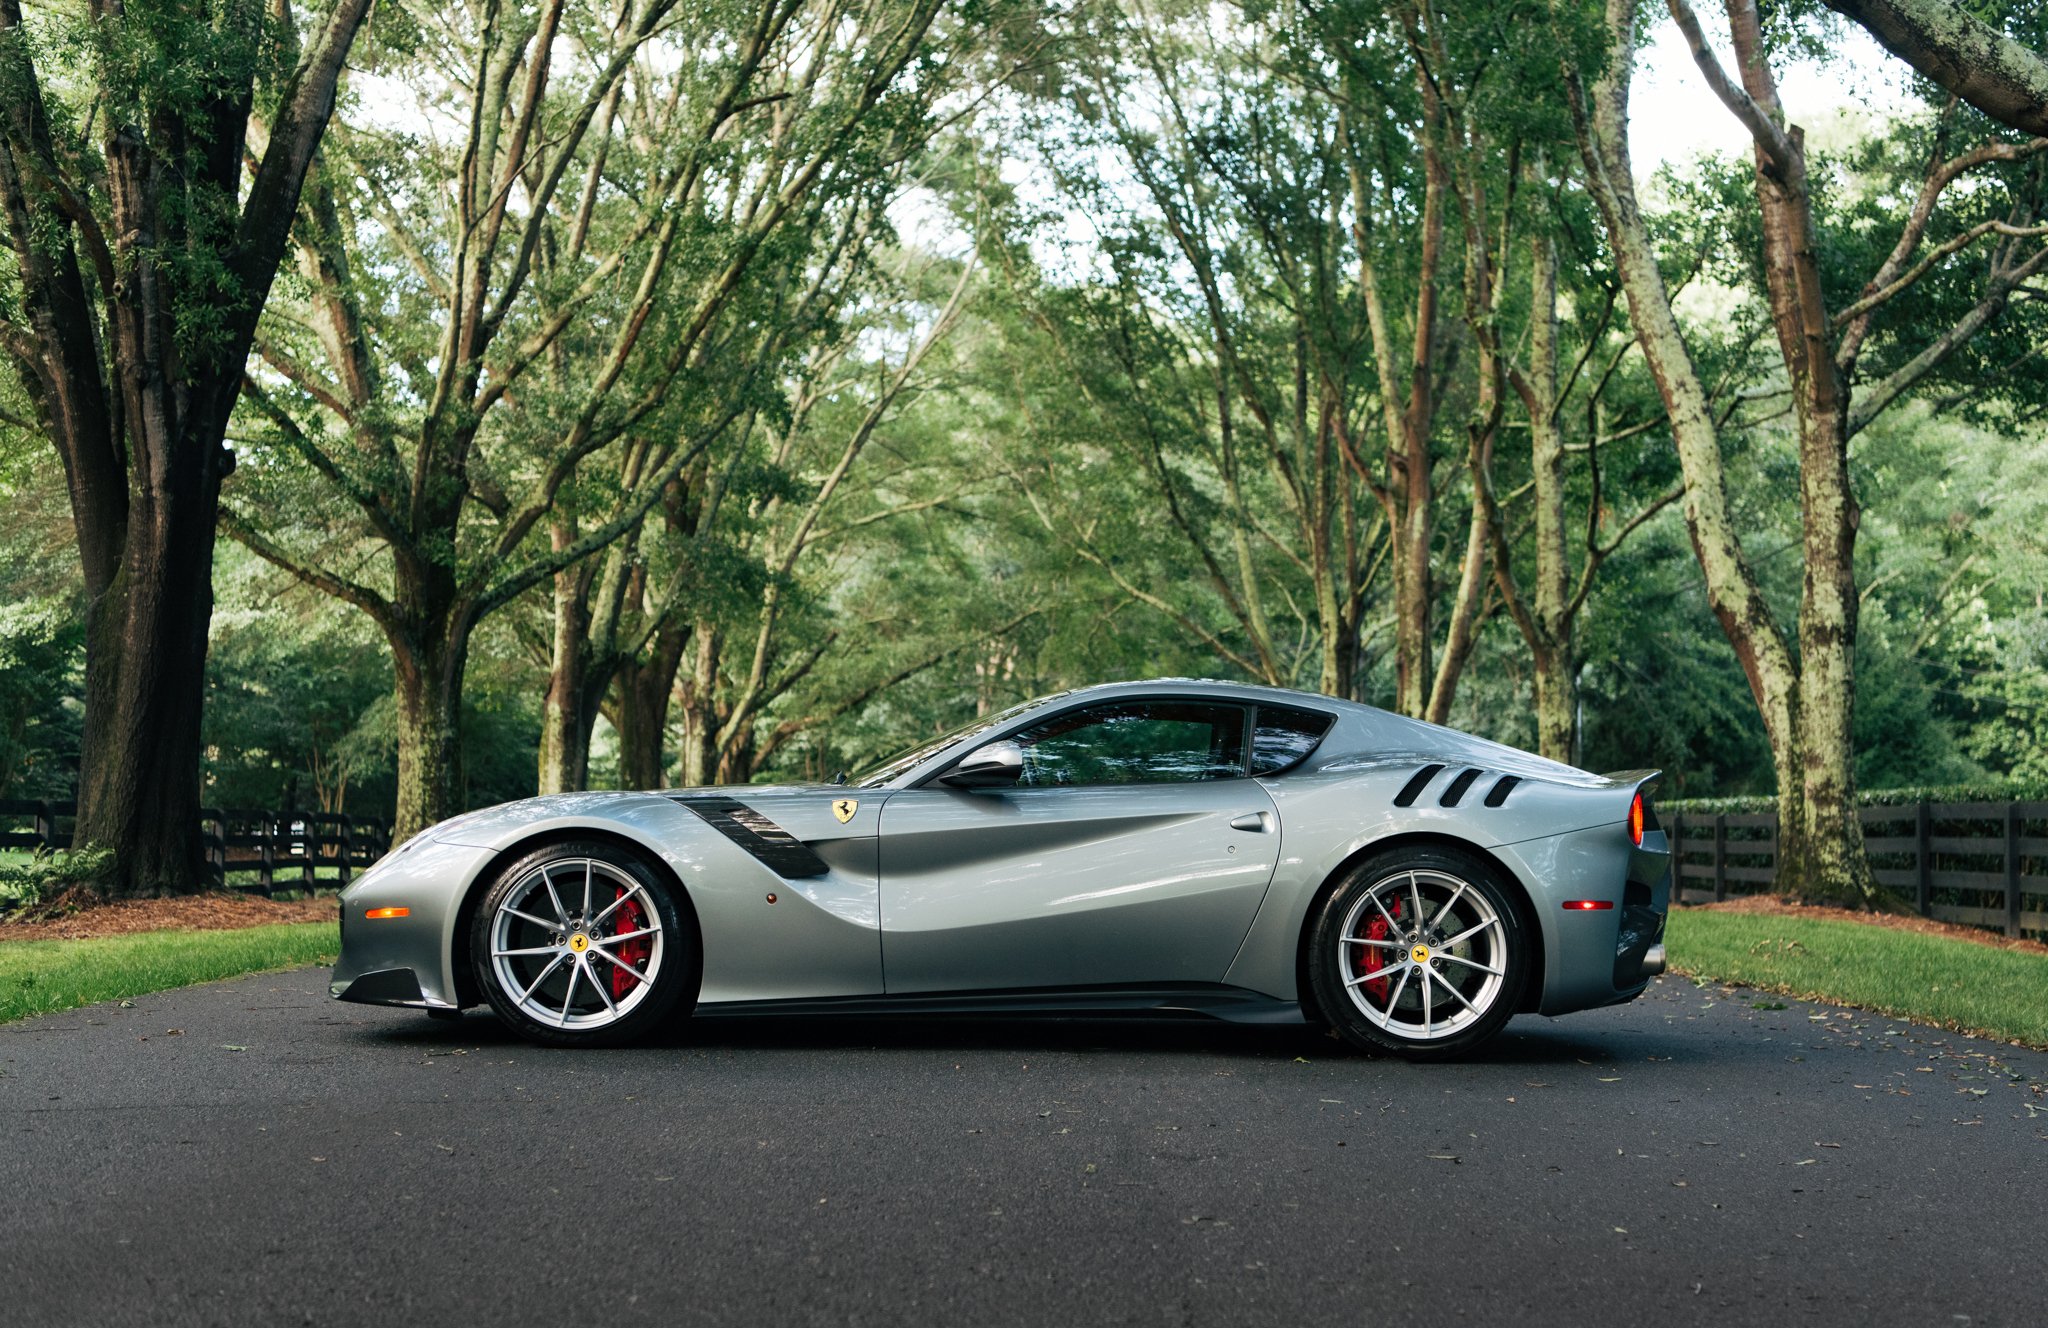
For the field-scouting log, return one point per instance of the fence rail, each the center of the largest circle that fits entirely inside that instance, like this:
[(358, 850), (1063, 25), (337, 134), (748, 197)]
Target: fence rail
[(246, 848), (1983, 864)]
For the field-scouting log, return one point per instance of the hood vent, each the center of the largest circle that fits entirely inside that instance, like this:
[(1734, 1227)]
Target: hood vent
[(1503, 786)]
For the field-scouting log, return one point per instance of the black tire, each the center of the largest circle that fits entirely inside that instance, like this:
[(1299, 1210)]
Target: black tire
[(1485, 972), (622, 1012)]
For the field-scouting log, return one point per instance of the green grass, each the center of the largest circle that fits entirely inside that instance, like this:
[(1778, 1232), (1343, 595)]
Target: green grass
[(1935, 979), (38, 977)]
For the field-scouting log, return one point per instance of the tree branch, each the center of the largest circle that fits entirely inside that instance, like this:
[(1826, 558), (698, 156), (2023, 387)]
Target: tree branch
[(1977, 62), (1769, 135)]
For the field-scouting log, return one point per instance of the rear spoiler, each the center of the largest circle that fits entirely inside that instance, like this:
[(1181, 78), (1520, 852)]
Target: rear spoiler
[(1644, 782)]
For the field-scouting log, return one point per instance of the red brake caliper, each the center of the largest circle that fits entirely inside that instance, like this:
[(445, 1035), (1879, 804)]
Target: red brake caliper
[(634, 952), (1369, 956)]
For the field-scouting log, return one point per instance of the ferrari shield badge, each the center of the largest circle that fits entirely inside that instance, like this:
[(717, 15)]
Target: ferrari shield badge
[(844, 808)]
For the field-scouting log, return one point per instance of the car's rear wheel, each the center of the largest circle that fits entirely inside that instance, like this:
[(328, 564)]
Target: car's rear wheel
[(583, 944), (1419, 952)]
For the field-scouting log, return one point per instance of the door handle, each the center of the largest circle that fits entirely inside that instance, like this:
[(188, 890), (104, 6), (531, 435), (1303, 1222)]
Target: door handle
[(1253, 821)]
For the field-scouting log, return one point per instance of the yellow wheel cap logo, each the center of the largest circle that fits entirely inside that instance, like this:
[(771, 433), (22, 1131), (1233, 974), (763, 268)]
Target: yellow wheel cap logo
[(1420, 954), (579, 942), (844, 808)]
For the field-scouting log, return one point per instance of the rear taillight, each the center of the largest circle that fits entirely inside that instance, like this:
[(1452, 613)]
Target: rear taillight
[(1635, 821)]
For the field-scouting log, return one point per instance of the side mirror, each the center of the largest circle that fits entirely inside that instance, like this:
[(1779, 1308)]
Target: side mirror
[(998, 765)]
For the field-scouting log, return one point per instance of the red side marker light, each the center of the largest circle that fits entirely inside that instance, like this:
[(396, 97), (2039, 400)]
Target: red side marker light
[(1635, 821), (1584, 905), (377, 914)]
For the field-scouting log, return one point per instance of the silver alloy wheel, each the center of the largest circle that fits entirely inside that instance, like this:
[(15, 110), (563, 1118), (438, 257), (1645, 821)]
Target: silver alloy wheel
[(577, 944), (1442, 949)]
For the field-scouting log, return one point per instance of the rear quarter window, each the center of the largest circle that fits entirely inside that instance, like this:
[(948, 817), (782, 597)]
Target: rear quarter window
[(1282, 738)]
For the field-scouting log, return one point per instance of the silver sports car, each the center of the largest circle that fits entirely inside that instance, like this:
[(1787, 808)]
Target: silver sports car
[(1204, 848)]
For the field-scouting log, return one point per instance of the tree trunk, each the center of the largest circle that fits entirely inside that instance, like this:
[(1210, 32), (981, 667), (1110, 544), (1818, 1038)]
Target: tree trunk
[(698, 698), (136, 410), (1557, 704), (567, 712), (145, 673), (699, 744), (644, 690), (1732, 591), (1822, 854), (1553, 655), (429, 690), (1825, 857)]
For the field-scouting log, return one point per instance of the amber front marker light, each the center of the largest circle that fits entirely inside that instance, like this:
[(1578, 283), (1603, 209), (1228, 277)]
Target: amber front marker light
[(378, 913)]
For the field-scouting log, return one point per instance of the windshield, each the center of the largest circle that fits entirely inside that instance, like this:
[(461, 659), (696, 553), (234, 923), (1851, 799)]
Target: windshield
[(877, 775)]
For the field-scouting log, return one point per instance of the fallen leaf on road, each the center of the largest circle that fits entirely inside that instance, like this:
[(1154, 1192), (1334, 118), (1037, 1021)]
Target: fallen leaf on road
[(1443, 1157), (1807, 1163), (229, 1046)]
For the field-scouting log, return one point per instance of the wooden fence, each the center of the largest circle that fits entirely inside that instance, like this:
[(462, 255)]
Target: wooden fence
[(1983, 864), (246, 849)]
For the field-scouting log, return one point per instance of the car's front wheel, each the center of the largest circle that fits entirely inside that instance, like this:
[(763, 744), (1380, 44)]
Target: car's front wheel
[(1419, 952), (583, 944)]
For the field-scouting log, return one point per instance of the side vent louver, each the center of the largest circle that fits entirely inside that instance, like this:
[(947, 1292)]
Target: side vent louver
[(1417, 782), (1457, 789), (1503, 786)]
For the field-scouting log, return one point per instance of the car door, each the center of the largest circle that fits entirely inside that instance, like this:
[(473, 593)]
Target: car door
[(1132, 851)]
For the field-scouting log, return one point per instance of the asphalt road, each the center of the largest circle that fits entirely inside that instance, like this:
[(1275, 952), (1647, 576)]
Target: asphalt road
[(250, 1152)]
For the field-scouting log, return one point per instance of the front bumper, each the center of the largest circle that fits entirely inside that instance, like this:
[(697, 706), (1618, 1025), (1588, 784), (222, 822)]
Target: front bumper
[(411, 960)]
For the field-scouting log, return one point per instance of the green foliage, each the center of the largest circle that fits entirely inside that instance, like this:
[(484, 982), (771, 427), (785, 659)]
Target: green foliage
[(45, 875), (1130, 431), (1904, 795), (42, 629)]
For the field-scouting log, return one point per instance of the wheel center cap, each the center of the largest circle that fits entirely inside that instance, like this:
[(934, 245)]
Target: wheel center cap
[(1419, 954), (579, 942)]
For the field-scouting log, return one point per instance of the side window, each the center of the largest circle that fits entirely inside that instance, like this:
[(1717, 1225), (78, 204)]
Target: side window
[(1283, 738), (1135, 742)]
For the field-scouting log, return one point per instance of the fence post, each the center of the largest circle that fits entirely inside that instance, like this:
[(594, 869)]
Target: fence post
[(1678, 858), (348, 847), (1923, 856), (266, 862), (46, 826), (1720, 856), (2012, 869), (220, 847), (309, 839)]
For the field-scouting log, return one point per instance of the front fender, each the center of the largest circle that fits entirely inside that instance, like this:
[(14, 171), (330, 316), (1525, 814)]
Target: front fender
[(820, 935)]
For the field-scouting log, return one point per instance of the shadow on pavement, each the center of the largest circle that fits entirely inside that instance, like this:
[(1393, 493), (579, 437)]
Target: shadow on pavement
[(1523, 1043)]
